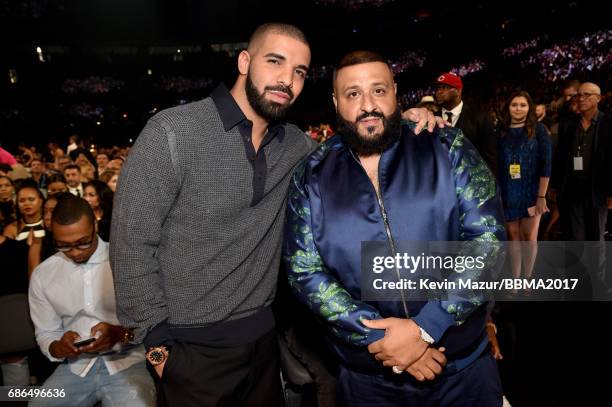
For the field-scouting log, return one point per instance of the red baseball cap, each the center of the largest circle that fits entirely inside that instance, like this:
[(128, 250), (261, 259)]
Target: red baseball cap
[(450, 79)]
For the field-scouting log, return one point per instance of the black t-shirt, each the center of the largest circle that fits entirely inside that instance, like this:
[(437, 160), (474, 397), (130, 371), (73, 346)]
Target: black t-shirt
[(14, 261)]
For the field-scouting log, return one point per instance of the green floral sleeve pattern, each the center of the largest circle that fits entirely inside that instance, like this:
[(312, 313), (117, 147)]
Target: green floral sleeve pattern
[(480, 216), (311, 282)]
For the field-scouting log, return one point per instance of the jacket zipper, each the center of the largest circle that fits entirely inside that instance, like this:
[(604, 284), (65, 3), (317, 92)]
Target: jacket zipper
[(383, 211)]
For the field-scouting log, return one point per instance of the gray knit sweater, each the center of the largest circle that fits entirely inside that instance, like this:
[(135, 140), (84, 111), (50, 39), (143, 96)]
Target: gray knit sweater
[(186, 246)]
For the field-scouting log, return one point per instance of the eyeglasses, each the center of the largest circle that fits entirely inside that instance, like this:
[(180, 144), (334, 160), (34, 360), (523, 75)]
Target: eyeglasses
[(80, 246), (585, 95)]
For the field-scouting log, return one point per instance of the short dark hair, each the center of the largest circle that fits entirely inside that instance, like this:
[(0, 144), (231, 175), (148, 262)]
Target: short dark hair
[(359, 57), (278, 28), (57, 197), (72, 167), (56, 178), (29, 183), (571, 83), (70, 209)]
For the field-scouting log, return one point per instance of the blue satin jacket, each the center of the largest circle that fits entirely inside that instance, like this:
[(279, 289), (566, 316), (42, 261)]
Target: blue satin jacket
[(433, 188)]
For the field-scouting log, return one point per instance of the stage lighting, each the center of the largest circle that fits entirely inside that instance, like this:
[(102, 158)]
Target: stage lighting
[(13, 78), (41, 56)]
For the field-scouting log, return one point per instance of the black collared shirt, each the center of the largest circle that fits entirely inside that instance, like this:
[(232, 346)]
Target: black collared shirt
[(232, 116)]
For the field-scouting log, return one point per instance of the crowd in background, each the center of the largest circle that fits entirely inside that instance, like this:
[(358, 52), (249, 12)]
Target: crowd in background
[(32, 178), (81, 167)]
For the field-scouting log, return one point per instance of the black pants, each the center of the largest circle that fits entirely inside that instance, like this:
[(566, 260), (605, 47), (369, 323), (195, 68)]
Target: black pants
[(202, 376), (584, 221)]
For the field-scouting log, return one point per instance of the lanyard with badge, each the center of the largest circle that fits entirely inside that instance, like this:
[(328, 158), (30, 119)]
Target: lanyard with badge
[(578, 162), (578, 165), (515, 163)]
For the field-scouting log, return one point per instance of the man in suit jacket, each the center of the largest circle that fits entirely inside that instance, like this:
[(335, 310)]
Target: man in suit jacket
[(476, 126), (72, 173), (582, 168)]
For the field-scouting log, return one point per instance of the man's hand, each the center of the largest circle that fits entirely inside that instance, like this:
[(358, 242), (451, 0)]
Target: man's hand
[(429, 365), (423, 118), (402, 344), (108, 335), (64, 348)]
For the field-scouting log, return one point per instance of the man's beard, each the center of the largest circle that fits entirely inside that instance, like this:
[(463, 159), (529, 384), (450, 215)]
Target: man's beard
[(268, 110), (375, 143)]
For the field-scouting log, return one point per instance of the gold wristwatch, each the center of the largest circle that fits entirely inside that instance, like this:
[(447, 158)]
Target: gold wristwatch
[(157, 355)]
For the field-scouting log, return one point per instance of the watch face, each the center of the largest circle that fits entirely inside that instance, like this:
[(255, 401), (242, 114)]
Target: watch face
[(156, 356)]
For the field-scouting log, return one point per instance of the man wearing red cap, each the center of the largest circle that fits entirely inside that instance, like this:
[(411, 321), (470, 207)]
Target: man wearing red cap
[(475, 125)]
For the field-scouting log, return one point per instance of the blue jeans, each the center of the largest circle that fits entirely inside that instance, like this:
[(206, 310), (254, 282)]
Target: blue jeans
[(16, 373), (131, 387)]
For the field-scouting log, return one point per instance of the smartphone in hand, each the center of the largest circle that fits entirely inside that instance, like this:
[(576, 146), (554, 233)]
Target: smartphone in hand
[(84, 341), (531, 211)]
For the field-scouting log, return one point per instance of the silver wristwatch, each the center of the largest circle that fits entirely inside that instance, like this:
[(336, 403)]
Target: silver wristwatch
[(426, 337)]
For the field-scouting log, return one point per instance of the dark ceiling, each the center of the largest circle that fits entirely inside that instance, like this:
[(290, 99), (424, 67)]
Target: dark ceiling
[(451, 26)]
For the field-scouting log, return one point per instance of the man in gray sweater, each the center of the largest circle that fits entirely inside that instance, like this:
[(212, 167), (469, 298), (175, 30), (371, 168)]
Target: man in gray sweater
[(195, 252)]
